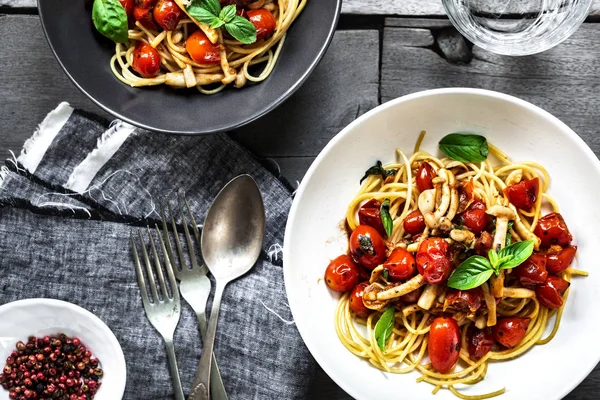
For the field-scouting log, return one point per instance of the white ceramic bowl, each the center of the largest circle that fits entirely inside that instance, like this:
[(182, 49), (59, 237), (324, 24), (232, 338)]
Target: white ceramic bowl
[(313, 236), (40, 317)]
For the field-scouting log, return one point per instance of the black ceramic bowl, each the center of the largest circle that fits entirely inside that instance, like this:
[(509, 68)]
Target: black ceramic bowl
[(84, 55)]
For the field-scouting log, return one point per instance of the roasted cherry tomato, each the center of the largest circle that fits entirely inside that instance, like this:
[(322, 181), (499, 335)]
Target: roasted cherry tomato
[(444, 344), (510, 331), (400, 265), (167, 14), (552, 229), (412, 297), (356, 300), (550, 293), (475, 220), (524, 194), (146, 60), (370, 214), (146, 3), (483, 243), (479, 342), (342, 274), (465, 195), (467, 301), (201, 49), (425, 175), (433, 260), (559, 259), (533, 270), (128, 6), (264, 22), (144, 17), (367, 246), (414, 223), (477, 204)]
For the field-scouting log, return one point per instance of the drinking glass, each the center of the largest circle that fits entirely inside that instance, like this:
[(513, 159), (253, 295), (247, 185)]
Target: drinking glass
[(517, 27)]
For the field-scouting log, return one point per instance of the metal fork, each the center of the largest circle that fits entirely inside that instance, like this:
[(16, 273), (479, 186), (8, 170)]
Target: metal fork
[(163, 310), (194, 284)]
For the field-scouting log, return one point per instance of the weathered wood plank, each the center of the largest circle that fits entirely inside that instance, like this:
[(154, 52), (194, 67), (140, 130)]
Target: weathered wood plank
[(375, 7)]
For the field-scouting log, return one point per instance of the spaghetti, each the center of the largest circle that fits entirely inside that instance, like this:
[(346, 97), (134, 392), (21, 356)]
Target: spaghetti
[(234, 60), (422, 301)]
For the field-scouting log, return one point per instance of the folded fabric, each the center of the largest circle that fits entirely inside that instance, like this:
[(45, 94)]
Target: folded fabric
[(67, 206)]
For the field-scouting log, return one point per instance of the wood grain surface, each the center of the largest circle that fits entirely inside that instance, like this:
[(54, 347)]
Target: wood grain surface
[(370, 7)]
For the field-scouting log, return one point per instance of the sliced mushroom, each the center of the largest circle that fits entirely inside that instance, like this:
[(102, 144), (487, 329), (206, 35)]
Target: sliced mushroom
[(370, 297), (462, 235), (394, 292), (514, 177), (426, 201), (376, 273), (427, 297), (454, 200), (523, 232), (503, 215)]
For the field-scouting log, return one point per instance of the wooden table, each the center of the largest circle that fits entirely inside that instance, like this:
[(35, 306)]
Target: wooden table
[(393, 47)]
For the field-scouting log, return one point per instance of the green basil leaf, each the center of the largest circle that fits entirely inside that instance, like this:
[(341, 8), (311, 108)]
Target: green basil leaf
[(242, 30), (464, 147), (386, 218), (471, 273), (217, 23), (378, 169), (110, 19), (228, 13), (202, 14), (493, 256), (383, 328), (517, 252), (508, 234), (212, 6), (385, 274)]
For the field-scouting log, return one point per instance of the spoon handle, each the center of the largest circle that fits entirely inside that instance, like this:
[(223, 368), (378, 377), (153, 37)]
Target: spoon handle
[(201, 386)]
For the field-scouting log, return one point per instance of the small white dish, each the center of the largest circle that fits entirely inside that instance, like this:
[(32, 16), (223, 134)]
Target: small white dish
[(40, 317), (525, 132)]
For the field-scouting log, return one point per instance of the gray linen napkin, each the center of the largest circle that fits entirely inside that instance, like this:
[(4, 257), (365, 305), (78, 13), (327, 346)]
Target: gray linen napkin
[(67, 206)]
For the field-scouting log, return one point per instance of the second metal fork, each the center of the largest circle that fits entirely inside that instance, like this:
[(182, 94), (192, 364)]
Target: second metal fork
[(194, 284)]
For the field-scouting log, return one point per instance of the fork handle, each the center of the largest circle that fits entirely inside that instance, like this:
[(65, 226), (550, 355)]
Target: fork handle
[(201, 386), (174, 370), (216, 382)]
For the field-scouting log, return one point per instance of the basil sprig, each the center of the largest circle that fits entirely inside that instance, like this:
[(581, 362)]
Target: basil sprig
[(464, 147), (210, 12), (110, 19), (476, 270), (378, 169), (386, 218), (383, 328)]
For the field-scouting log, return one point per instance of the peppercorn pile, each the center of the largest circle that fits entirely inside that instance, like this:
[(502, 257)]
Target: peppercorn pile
[(52, 367)]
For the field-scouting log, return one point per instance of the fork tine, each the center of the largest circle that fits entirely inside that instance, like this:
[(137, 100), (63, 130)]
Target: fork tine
[(151, 281), (169, 269), (194, 225), (188, 238), (168, 246), (139, 273), (158, 267), (177, 241)]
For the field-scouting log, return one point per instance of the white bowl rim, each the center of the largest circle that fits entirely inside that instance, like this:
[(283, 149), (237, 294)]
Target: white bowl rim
[(583, 147), (85, 314)]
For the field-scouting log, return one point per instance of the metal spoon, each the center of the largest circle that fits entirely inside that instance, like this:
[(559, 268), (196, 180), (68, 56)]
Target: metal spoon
[(231, 242)]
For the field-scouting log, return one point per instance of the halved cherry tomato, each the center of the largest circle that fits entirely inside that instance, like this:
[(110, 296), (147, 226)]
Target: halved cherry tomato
[(559, 258), (465, 195), (400, 265), (144, 17), (264, 22), (367, 246), (550, 293), (167, 14), (533, 270), (433, 260), (342, 274), (146, 60), (468, 301), (524, 194), (128, 6), (201, 49), (444, 344), (552, 229), (510, 331), (370, 214), (414, 223), (479, 342), (425, 175), (356, 300), (412, 297)]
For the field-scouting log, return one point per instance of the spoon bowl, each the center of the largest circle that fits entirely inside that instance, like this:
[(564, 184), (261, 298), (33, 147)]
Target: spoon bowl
[(233, 232), (231, 242)]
